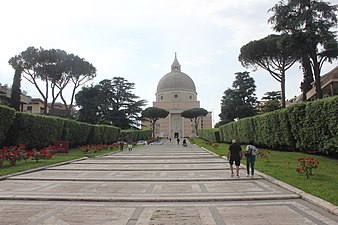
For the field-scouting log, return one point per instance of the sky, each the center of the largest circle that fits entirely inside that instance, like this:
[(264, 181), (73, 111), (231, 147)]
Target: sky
[(137, 40)]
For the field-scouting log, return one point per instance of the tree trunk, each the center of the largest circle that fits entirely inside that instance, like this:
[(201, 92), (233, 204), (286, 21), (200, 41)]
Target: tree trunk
[(68, 109), (282, 86), (196, 126), (45, 103), (307, 76), (153, 125), (316, 70)]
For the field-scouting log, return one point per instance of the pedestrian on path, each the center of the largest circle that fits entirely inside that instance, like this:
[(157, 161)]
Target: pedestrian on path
[(184, 142), (178, 140), (130, 147), (250, 154), (121, 145), (235, 155)]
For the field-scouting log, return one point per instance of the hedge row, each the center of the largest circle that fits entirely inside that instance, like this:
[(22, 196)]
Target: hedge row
[(6, 120), (75, 132), (103, 134), (133, 135), (310, 127), (39, 130), (211, 135), (34, 130)]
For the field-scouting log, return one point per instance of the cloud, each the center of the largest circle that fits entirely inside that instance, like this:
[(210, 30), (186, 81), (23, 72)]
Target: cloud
[(137, 39)]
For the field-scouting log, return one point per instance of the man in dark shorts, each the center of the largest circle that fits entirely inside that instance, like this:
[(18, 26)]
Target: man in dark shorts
[(235, 153)]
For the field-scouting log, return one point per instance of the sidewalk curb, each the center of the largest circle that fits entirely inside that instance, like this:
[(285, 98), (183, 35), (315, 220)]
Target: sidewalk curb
[(107, 154), (147, 199), (303, 195), (52, 165), (209, 151), (40, 168)]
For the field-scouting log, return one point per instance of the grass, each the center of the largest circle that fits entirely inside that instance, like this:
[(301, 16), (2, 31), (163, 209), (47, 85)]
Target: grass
[(74, 153), (282, 166)]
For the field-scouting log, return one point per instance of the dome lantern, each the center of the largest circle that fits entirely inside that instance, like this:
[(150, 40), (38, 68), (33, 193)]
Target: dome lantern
[(176, 65)]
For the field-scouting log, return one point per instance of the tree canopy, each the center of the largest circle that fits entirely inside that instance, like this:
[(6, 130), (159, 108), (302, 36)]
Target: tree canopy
[(274, 54), (272, 95), (240, 100), (88, 99), (309, 22), (194, 115), (153, 114), (110, 102), (273, 101), (50, 71), (15, 100)]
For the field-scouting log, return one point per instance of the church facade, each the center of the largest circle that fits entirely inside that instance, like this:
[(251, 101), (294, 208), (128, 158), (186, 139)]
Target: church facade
[(175, 93)]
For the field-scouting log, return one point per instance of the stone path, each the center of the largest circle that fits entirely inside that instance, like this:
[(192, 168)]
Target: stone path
[(158, 184)]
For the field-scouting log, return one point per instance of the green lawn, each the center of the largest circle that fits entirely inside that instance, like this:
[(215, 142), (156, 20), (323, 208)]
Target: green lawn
[(74, 153), (323, 183)]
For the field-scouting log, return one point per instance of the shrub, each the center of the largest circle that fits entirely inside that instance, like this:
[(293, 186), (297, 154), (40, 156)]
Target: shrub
[(97, 148), (134, 135), (144, 134), (306, 165), (44, 153), (6, 118), (34, 130), (311, 126), (13, 154), (265, 155), (103, 134), (75, 132), (211, 135)]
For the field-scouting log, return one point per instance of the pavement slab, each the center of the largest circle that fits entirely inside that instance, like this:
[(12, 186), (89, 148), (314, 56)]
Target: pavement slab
[(286, 212), (156, 184)]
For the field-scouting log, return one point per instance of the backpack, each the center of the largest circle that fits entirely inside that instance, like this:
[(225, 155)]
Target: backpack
[(249, 153)]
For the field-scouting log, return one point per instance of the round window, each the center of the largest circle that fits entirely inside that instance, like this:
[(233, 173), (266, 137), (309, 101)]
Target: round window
[(175, 95)]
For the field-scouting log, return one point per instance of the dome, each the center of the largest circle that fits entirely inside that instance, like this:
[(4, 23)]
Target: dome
[(176, 80)]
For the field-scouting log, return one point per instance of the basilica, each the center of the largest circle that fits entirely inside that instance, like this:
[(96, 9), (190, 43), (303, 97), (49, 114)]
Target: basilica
[(176, 92)]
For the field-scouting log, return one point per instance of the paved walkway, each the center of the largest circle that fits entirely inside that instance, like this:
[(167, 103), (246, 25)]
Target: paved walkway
[(158, 184)]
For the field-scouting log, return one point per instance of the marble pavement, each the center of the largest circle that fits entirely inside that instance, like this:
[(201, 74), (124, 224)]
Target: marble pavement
[(156, 184)]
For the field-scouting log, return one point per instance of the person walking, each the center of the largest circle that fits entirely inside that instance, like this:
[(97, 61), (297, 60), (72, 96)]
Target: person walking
[(184, 142), (178, 140), (121, 145), (250, 155), (235, 155), (130, 147)]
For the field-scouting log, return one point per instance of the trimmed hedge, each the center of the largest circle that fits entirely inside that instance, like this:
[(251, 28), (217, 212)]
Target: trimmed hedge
[(34, 130), (6, 120), (144, 134), (103, 134), (211, 135), (310, 126), (133, 135), (75, 132)]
